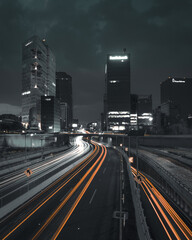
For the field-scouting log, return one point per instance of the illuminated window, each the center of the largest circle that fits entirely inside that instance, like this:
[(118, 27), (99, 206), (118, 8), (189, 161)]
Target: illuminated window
[(26, 93), (27, 44)]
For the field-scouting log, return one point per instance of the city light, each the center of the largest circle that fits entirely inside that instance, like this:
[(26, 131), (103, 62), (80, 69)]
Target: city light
[(26, 93), (119, 116), (114, 81), (27, 44), (177, 81), (118, 128), (118, 57), (120, 112)]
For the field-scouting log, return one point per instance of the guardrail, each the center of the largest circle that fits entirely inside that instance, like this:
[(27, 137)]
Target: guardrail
[(7, 166), (12, 200)]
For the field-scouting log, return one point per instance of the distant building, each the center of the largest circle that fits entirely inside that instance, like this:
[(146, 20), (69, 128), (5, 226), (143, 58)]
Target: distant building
[(64, 93), (145, 116), (92, 126), (133, 112), (38, 77), (102, 122), (141, 112), (117, 92), (176, 108), (64, 109), (176, 97), (50, 114), (10, 123), (159, 121), (75, 124)]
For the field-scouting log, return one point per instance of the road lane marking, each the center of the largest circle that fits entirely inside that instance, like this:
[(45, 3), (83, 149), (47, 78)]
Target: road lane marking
[(92, 196), (104, 171), (51, 217), (80, 196), (85, 162), (65, 195)]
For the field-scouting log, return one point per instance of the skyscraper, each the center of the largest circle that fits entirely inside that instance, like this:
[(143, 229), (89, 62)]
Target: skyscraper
[(117, 92), (38, 77), (64, 93)]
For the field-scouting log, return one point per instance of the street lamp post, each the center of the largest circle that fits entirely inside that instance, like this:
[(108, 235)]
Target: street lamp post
[(25, 148)]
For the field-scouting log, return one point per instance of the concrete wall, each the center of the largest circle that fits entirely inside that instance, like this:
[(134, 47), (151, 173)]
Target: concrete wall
[(167, 141)]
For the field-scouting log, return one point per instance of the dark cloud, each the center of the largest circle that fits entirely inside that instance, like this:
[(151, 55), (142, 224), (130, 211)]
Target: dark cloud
[(158, 34)]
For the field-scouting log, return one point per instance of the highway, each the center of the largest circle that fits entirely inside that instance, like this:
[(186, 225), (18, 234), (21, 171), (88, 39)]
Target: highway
[(58, 211), (82, 204), (87, 201), (163, 220), (14, 184)]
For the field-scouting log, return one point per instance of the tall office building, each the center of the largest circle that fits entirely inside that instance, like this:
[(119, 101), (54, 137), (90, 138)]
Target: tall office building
[(64, 93), (50, 114), (176, 98), (38, 78), (117, 92)]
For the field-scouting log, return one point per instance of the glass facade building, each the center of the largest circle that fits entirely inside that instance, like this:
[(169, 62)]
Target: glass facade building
[(50, 114), (38, 77)]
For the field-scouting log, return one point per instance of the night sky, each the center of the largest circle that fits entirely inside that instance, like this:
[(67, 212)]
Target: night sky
[(157, 34)]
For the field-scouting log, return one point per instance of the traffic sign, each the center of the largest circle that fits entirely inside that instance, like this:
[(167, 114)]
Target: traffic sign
[(28, 172), (131, 159)]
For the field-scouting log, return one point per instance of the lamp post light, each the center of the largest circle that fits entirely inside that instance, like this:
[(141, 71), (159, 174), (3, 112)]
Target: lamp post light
[(31, 141)]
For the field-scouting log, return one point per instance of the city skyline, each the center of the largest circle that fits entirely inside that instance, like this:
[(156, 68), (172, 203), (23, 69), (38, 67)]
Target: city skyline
[(157, 38)]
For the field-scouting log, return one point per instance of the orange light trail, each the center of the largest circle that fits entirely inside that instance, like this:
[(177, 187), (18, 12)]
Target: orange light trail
[(67, 198), (88, 159), (162, 213), (79, 198), (156, 195), (157, 214)]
